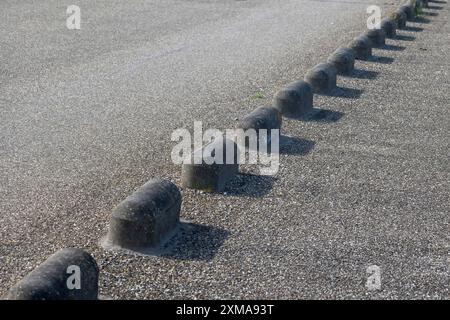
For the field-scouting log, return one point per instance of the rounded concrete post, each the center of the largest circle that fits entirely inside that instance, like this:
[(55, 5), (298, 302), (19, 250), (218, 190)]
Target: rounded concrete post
[(362, 47), (147, 217), (322, 78), (210, 176), (68, 274), (408, 9), (295, 100), (377, 37), (389, 25), (400, 17)]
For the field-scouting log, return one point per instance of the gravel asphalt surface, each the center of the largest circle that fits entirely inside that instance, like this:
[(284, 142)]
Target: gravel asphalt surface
[(86, 118)]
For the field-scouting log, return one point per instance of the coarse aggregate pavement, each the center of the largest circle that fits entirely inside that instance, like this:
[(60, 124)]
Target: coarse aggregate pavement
[(86, 119)]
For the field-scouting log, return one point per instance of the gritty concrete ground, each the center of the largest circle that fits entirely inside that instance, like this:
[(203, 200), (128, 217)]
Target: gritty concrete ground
[(365, 183)]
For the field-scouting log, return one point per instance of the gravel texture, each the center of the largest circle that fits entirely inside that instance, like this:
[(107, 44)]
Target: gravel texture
[(87, 117)]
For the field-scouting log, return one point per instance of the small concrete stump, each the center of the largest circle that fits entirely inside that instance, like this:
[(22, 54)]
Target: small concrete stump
[(266, 118), (68, 274), (377, 37), (295, 100), (322, 78), (400, 17), (209, 175), (408, 9), (389, 25), (146, 218), (343, 59), (262, 118), (362, 47)]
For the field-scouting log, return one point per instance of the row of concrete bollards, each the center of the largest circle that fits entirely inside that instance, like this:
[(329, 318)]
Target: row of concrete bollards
[(151, 215)]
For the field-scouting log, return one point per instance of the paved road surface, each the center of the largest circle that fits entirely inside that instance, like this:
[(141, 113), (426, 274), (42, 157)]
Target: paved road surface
[(86, 118)]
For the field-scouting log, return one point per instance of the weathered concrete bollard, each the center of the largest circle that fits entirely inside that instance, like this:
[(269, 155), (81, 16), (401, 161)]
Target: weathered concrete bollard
[(408, 10), (377, 37), (262, 118), (69, 274), (343, 59), (400, 17), (322, 78), (362, 47), (147, 217), (389, 25), (210, 175), (295, 100)]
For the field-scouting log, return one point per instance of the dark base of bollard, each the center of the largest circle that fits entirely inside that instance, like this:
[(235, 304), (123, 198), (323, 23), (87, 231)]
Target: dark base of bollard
[(208, 178), (154, 250), (343, 59), (261, 118), (69, 274), (362, 48)]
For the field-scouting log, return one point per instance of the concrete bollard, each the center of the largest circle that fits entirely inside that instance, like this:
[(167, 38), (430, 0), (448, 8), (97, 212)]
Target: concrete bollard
[(400, 17), (408, 10), (295, 100), (147, 217), (362, 47), (389, 25), (69, 274), (377, 37), (322, 78), (343, 59), (209, 175), (262, 118)]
